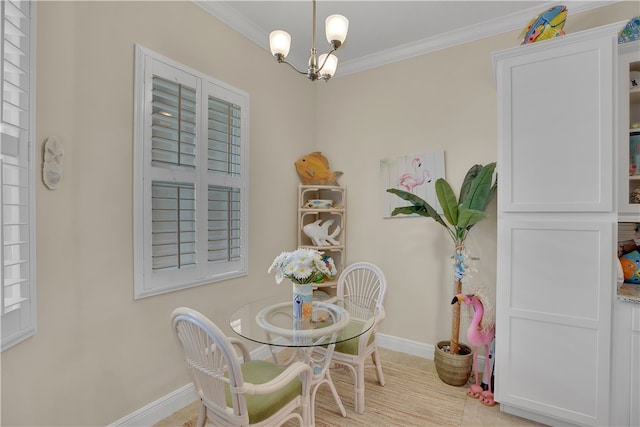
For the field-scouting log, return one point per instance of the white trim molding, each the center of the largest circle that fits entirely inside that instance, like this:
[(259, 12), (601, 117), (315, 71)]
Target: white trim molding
[(160, 409), (457, 36)]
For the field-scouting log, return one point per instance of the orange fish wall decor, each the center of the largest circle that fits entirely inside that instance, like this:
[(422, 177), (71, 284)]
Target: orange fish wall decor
[(313, 169)]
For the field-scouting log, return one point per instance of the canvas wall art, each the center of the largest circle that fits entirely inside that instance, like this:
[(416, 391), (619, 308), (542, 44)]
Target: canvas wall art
[(415, 173)]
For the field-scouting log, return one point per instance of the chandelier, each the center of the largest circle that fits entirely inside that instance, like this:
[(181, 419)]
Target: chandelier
[(320, 67)]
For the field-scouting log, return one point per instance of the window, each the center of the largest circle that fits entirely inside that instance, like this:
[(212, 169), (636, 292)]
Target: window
[(18, 290), (190, 197)]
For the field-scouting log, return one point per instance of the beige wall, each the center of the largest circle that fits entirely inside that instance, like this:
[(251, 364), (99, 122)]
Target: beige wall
[(445, 100), (98, 354)]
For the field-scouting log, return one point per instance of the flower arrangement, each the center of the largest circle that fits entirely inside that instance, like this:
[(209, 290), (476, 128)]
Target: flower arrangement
[(303, 266)]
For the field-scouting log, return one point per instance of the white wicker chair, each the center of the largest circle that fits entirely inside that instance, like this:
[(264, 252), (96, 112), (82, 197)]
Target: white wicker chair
[(365, 285), (235, 393)]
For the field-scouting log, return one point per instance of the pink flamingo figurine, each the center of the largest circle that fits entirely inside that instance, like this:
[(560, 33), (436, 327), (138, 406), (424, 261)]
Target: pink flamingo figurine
[(479, 334), (409, 181)]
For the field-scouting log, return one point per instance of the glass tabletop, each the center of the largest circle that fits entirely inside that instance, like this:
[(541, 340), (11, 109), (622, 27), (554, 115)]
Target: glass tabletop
[(270, 321)]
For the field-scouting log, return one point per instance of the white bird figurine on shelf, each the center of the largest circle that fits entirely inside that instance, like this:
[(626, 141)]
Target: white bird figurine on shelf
[(319, 234)]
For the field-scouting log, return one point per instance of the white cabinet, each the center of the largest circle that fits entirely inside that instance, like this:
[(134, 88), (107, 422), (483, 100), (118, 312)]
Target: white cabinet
[(331, 218), (556, 227)]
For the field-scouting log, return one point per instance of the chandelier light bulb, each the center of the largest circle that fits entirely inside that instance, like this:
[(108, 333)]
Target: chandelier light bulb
[(279, 42), (324, 66), (330, 66), (336, 27)]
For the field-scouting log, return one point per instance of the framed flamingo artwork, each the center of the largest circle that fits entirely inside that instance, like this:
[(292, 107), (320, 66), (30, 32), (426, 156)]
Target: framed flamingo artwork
[(415, 173)]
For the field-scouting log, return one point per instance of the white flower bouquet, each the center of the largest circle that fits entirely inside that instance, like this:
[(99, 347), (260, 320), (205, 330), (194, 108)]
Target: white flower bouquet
[(303, 266)]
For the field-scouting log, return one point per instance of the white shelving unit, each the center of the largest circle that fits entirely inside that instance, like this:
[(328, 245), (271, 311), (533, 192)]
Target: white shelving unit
[(629, 153), (625, 390), (337, 214)]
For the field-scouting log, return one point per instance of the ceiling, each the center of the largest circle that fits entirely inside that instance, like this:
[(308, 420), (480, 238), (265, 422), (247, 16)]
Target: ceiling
[(381, 32)]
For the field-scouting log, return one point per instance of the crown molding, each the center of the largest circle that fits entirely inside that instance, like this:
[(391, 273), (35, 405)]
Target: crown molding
[(455, 37), (237, 21)]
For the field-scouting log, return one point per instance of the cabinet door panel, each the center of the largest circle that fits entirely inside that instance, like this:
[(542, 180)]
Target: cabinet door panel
[(539, 350), (556, 128), (553, 334), (557, 271)]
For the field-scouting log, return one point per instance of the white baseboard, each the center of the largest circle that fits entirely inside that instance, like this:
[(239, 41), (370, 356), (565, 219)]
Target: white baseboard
[(402, 345), (160, 409), (178, 399)]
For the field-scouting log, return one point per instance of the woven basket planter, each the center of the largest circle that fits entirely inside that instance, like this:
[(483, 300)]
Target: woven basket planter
[(453, 369)]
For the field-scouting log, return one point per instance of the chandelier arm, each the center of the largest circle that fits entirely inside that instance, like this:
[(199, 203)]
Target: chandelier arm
[(280, 44), (292, 66), (325, 59)]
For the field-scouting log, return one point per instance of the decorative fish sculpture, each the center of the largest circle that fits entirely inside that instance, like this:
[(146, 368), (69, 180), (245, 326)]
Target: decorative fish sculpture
[(631, 31), (547, 25), (314, 169), (319, 234)]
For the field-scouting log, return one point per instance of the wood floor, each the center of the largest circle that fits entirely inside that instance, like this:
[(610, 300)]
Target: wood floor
[(474, 413)]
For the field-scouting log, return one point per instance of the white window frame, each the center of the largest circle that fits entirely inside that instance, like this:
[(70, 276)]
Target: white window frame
[(18, 299), (147, 281)]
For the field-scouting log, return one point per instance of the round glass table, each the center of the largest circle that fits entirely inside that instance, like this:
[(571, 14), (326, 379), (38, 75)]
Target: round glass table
[(270, 321)]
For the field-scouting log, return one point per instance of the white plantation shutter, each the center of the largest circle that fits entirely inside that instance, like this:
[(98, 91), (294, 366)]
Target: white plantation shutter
[(224, 137), (224, 224), (173, 225), (173, 125), (191, 181), (173, 148), (18, 291), (224, 165)]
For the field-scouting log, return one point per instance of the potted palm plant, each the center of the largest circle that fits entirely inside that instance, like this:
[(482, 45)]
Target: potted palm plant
[(460, 215)]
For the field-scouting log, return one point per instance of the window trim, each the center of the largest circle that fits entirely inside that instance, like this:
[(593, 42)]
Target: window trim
[(146, 282)]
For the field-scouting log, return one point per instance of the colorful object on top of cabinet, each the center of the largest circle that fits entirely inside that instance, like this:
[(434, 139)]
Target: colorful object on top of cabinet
[(314, 169), (547, 25), (319, 234), (631, 31), (481, 331), (631, 267)]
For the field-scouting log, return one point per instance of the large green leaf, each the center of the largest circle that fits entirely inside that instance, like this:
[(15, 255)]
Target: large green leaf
[(480, 191), (466, 184), (470, 217), (409, 210), (494, 189), (447, 200), (420, 206)]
